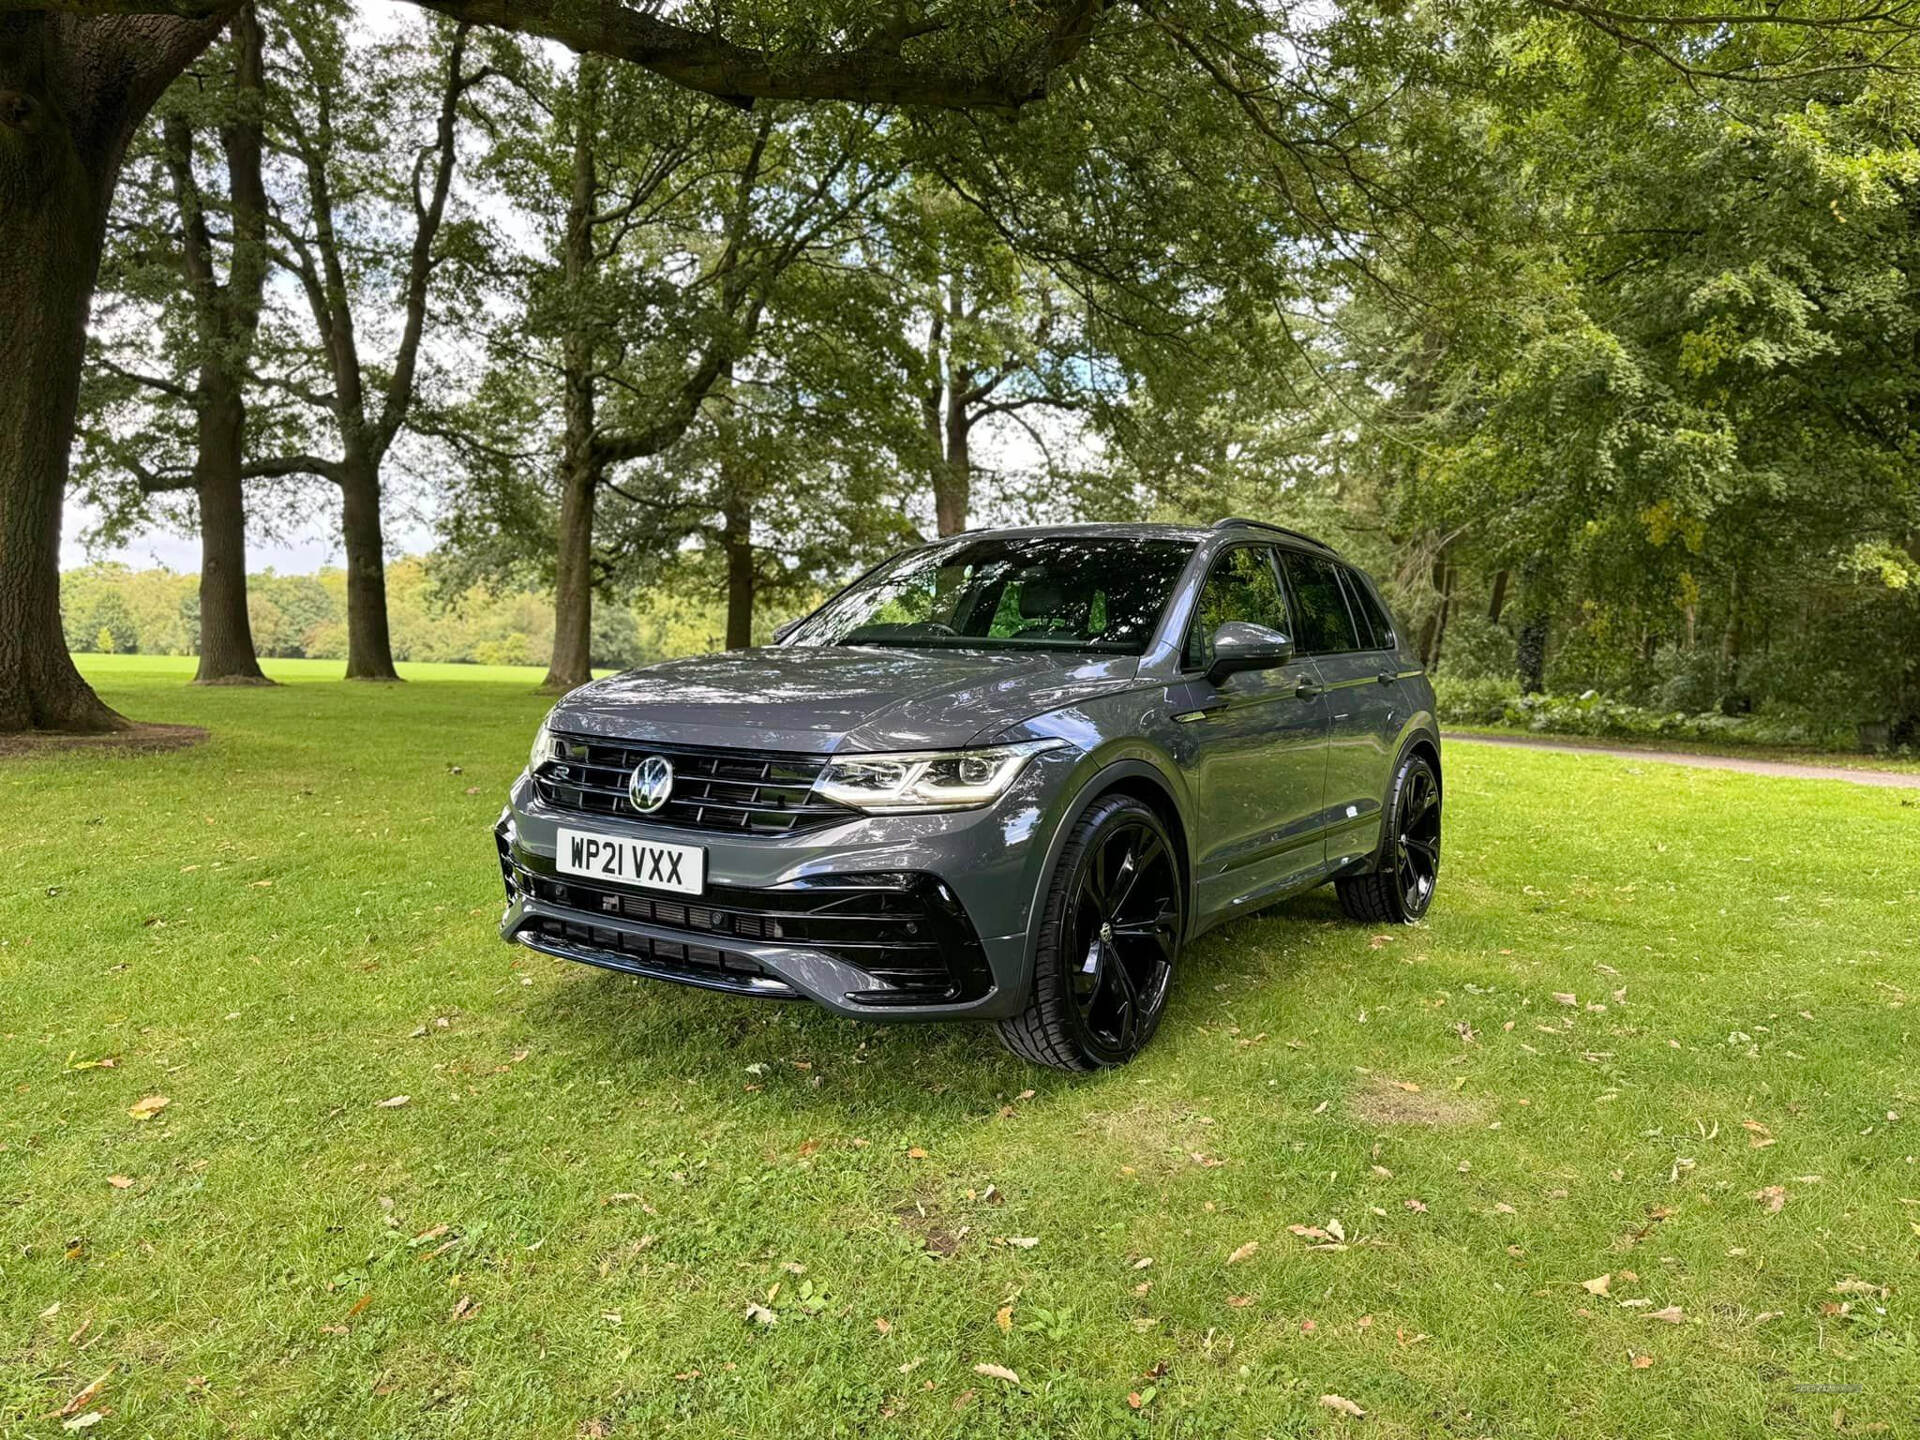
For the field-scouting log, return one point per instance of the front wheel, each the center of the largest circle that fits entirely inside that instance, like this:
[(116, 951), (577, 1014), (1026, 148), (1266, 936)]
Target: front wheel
[(1110, 931), (1399, 887)]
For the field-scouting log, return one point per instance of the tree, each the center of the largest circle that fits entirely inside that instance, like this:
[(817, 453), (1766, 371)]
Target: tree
[(340, 114), (76, 83), (73, 89), (680, 236), (173, 225), (1002, 336)]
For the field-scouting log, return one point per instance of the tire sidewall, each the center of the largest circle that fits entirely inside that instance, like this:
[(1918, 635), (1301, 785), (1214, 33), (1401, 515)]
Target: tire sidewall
[(1389, 836), (1053, 970)]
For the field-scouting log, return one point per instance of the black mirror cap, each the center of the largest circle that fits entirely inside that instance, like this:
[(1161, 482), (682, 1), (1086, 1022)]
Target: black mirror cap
[(1241, 645)]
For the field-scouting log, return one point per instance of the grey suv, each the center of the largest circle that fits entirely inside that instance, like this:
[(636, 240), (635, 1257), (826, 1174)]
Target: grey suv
[(1001, 777)]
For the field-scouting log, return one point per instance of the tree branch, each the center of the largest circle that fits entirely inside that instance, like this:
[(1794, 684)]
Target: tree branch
[(877, 71)]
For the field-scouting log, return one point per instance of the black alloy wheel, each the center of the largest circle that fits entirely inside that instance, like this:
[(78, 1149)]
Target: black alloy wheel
[(1114, 919), (1399, 887)]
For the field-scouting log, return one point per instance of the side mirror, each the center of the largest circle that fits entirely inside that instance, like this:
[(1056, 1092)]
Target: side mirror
[(1239, 645), (781, 632)]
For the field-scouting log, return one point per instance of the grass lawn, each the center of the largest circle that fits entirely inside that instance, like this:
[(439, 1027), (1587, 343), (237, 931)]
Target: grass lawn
[(1836, 759), (1658, 1029)]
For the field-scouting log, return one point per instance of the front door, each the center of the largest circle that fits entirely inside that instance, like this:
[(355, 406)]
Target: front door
[(1254, 747)]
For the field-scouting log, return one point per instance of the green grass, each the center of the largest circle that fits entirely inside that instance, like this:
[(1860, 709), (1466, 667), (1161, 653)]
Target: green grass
[(281, 928), (1736, 749)]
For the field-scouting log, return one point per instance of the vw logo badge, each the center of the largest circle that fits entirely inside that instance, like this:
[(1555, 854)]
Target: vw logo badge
[(651, 784)]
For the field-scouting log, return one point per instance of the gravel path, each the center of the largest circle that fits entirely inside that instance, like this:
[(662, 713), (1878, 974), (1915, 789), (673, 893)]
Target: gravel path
[(1893, 779)]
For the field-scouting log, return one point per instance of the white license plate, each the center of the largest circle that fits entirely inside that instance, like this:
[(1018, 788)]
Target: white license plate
[(647, 863)]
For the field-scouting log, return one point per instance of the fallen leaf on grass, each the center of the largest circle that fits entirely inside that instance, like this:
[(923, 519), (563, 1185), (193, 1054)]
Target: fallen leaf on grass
[(87, 1393), (392, 1102), (1419, 1207), (1566, 997), (1343, 1405), (148, 1108), (1598, 1285), (1245, 1252), (996, 1372), (1406, 1085), (1003, 1317), (84, 1422), (462, 1310), (1239, 1302), (120, 1182), (1773, 1197), (761, 1315), (1640, 1362), (1851, 1286), (1021, 1242), (1673, 1315), (1758, 1135), (916, 1153)]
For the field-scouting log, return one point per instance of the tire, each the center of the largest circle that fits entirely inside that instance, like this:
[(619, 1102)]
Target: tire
[(1110, 933), (1399, 886)]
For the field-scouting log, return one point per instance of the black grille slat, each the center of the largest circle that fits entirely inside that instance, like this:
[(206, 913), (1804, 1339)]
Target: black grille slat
[(730, 791), (908, 936)]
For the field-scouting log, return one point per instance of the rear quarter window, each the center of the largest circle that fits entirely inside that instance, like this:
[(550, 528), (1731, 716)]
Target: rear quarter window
[(1368, 612), (1323, 625)]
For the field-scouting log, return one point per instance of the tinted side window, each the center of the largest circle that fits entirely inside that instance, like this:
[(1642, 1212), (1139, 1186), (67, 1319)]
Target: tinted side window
[(1242, 585), (1325, 626), (1368, 611)]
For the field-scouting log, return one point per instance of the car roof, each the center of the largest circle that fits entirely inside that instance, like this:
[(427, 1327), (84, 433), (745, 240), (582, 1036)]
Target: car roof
[(1146, 530)]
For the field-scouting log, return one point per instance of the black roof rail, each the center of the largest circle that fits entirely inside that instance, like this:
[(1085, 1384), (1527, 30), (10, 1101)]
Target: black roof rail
[(1227, 520)]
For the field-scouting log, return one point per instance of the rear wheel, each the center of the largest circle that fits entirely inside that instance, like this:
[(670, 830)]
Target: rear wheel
[(1399, 888), (1110, 932)]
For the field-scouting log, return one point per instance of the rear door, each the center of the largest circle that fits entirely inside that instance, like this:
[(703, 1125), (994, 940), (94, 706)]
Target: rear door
[(1253, 747), (1362, 696)]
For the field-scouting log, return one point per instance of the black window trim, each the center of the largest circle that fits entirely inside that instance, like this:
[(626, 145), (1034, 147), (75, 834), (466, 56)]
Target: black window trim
[(1193, 616), (1364, 588), (1293, 604)]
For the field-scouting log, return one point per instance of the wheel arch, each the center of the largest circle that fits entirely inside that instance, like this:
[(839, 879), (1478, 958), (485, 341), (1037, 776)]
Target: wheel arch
[(1131, 776)]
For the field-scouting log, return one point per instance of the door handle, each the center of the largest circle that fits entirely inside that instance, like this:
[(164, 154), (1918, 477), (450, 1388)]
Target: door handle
[(1308, 689)]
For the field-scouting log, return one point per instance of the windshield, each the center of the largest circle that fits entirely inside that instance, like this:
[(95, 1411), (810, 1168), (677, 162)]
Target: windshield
[(1040, 592)]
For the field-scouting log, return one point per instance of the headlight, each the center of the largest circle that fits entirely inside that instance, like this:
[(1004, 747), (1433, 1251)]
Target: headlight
[(542, 747), (922, 781)]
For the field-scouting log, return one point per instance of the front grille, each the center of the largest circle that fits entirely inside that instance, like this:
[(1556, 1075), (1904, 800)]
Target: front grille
[(738, 791), (908, 931)]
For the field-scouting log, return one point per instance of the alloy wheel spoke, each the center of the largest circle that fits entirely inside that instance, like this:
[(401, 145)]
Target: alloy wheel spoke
[(1140, 859)]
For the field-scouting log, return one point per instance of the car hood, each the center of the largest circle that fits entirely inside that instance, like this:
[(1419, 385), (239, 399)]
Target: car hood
[(824, 699)]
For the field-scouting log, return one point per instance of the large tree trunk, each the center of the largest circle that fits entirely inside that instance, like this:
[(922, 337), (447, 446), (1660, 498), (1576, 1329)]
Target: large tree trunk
[(737, 538), (226, 634), (71, 93), (369, 649), (953, 480), (573, 579), (572, 662)]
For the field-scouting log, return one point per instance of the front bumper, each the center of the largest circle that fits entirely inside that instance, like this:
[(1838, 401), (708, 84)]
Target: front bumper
[(882, 917)]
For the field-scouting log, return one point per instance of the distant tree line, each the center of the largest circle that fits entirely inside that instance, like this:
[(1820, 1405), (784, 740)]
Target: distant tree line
[(114, 609)]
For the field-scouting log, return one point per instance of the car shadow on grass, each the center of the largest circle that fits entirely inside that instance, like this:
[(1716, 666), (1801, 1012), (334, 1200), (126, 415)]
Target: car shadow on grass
[(637, 1031)]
